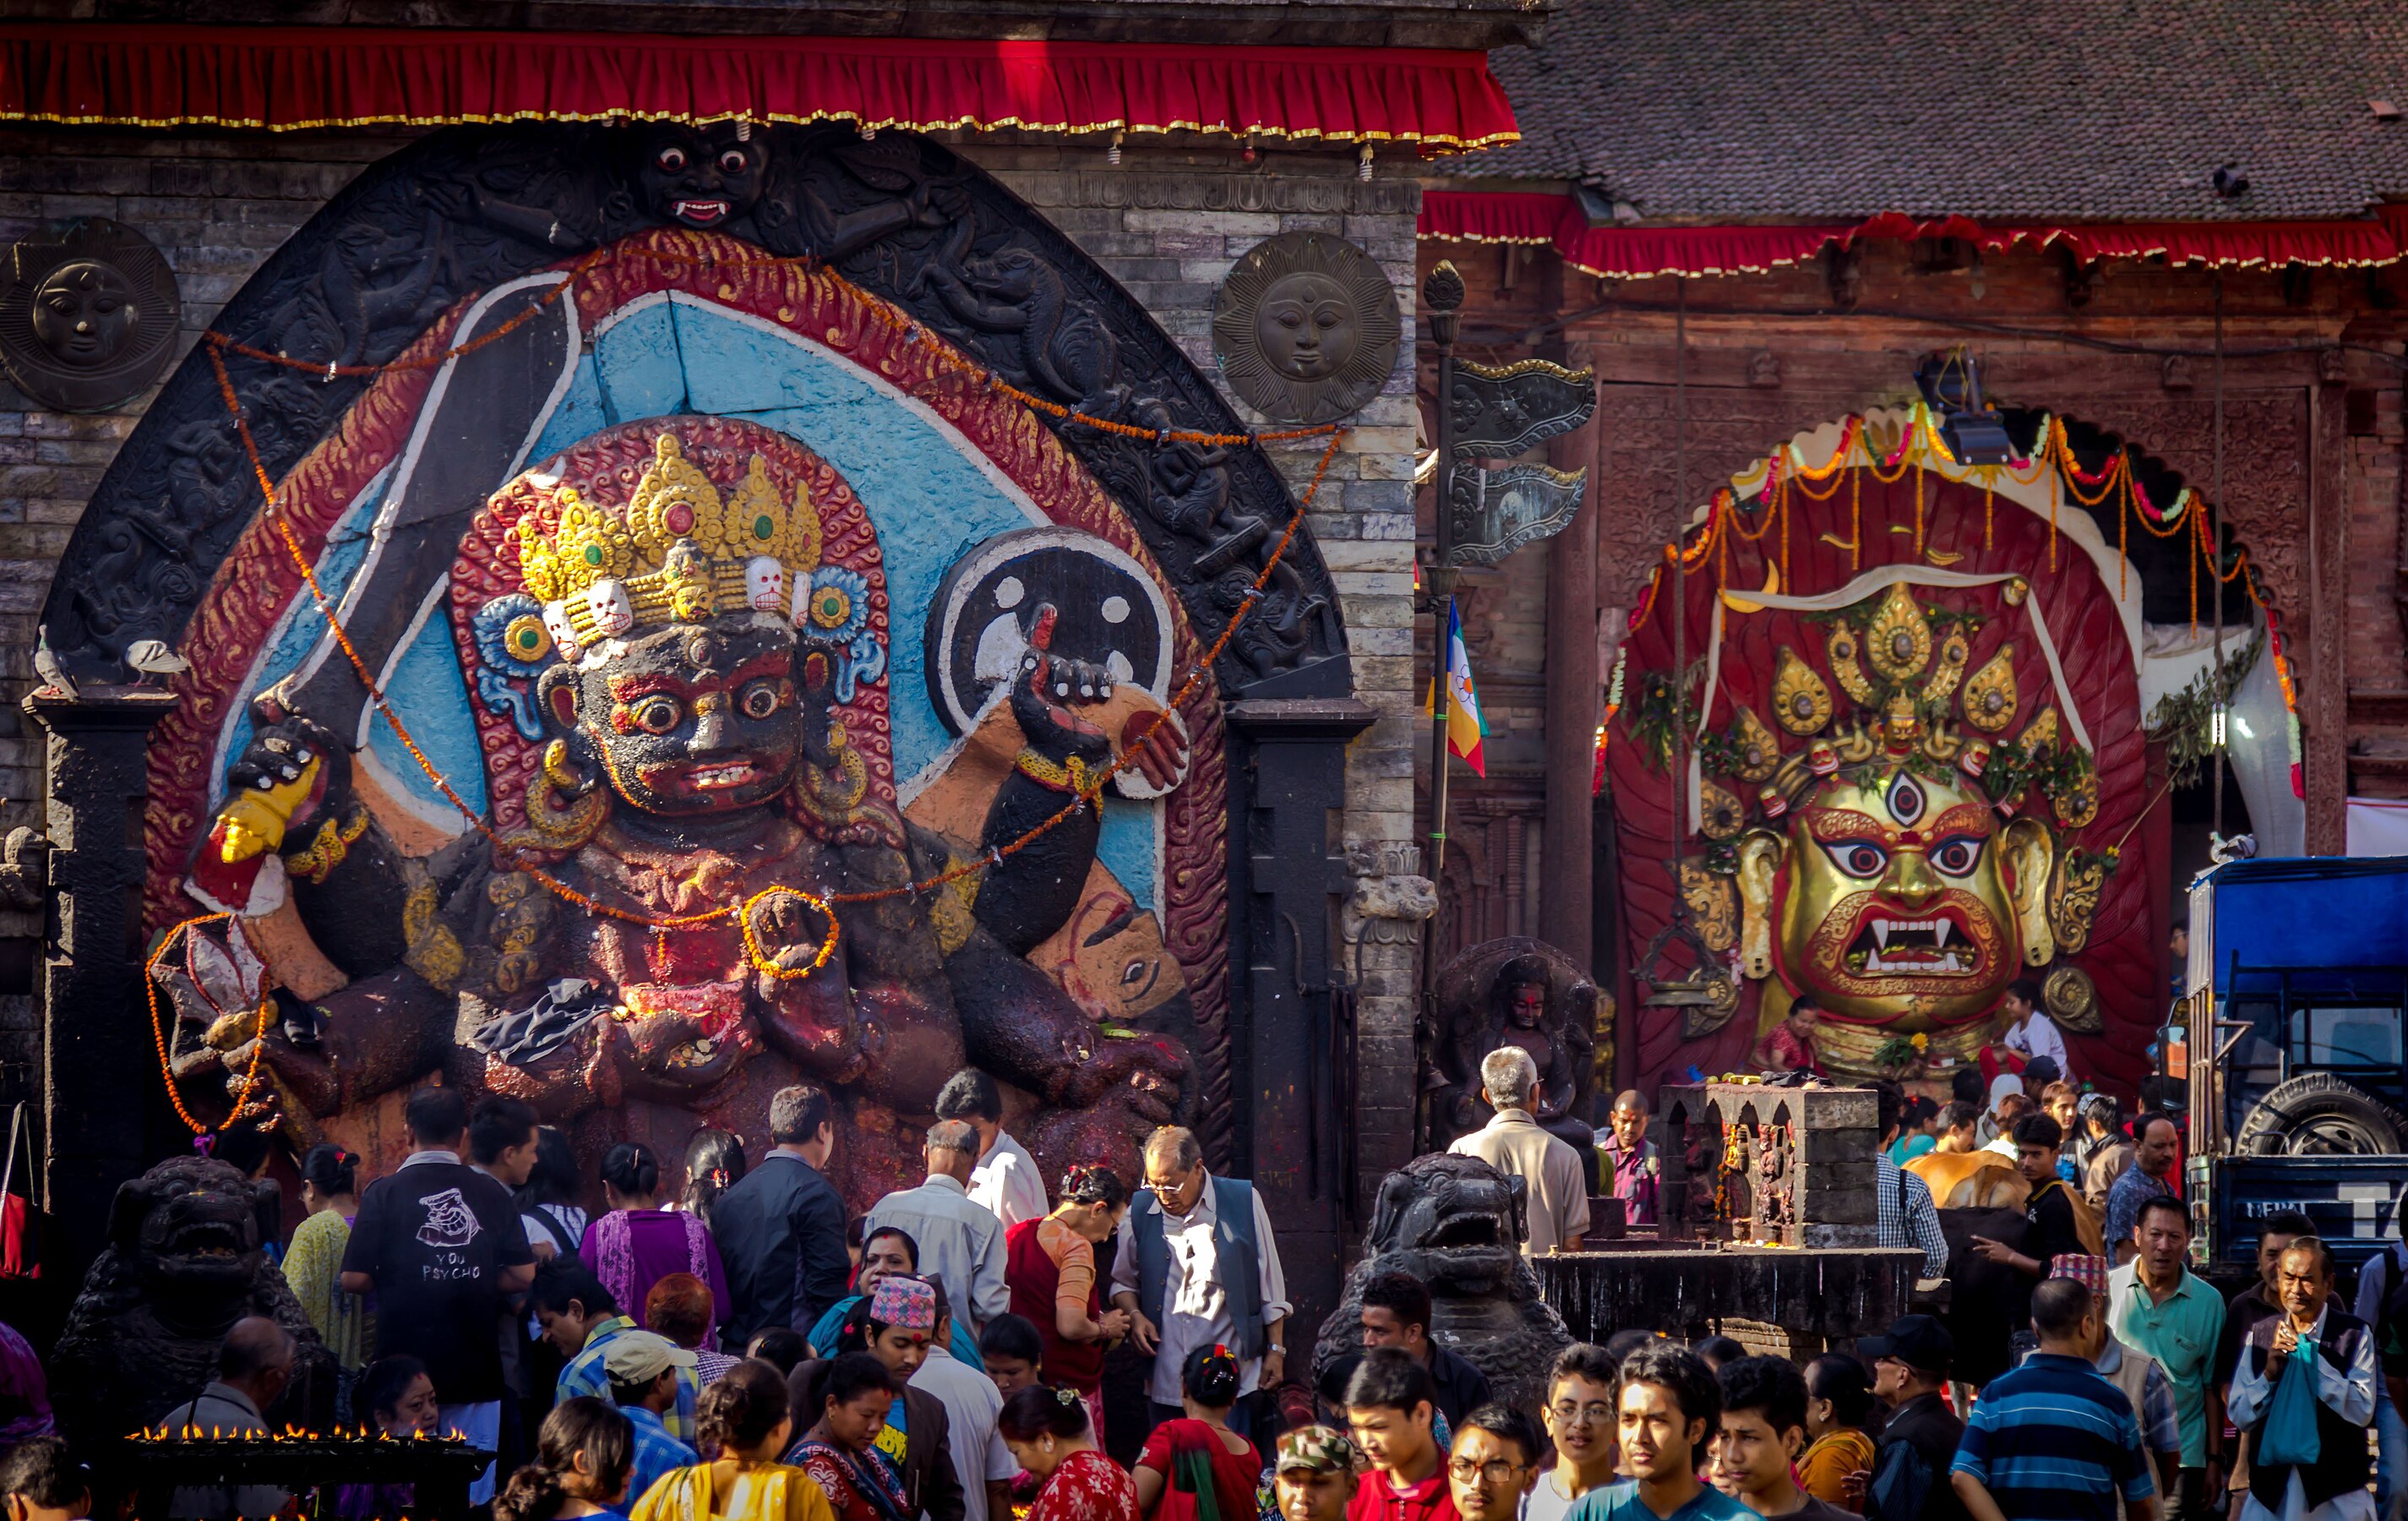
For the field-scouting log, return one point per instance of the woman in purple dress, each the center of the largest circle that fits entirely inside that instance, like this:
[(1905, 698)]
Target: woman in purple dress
[(638, 1243)]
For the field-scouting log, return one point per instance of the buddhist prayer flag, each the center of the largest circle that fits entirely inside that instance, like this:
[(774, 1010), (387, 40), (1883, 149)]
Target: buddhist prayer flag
[(1464, 729)]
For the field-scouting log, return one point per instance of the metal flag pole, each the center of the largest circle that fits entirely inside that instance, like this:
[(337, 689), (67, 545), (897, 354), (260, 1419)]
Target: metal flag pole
[(1442, 293), (1681, 601), (2217, 719)]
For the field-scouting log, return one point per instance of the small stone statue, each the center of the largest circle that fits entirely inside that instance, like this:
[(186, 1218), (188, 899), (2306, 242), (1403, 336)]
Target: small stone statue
[(1456, 1225), (1522, 992), (185, 1260)]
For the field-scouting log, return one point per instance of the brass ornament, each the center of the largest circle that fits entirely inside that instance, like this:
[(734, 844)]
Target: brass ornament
[(1759, 863), (2031, 852), (1713, 906), (1759, 752), (1841, 649), (1898, 642), (1954, 653), (1306, 328), (1990, 697), (2076, 802), (1720, 813), (88, 315), (2039, 734), (2074, 891), (2072, 1000), (1800, 700), (1720, 1000)]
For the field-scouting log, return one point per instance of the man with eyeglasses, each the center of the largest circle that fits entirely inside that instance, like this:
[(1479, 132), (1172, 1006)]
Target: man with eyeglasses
[(1493, 1464), (1580, 1418), (1196, 1266)]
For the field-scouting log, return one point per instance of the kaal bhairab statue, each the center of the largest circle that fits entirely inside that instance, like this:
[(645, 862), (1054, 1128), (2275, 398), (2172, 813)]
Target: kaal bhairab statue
[(720, 623)]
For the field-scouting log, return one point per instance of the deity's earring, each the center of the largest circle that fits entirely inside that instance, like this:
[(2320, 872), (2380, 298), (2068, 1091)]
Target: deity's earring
[(560, 768)]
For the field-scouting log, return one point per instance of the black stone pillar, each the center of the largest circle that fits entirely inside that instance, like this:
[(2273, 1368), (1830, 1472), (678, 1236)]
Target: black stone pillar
[(1288, 875), (97, 1049)]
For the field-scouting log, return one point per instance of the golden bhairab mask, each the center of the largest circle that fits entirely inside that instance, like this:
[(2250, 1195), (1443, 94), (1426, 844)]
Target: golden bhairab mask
[(1902, 901)]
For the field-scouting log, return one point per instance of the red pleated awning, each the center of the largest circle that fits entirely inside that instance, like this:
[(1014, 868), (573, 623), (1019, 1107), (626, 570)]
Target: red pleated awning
[(289, 78), (1633, 253)]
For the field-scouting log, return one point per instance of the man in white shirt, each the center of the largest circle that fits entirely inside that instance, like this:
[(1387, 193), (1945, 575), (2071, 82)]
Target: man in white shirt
[(1514, 1145), (1196, 1265), (961, 1242), (981, 1460), (1006, 1178)]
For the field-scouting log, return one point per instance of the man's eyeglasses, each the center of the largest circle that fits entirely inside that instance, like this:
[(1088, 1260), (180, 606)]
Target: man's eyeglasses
[(1496, 1470), (1595, 1413)]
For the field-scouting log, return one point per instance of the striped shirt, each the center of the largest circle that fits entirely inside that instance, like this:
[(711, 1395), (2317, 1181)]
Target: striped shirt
[(2053, 1440)]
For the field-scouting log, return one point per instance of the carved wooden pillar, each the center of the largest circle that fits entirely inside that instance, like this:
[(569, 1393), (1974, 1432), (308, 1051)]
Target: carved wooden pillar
[(2327, 699), (1565, 910), (94, 1035)]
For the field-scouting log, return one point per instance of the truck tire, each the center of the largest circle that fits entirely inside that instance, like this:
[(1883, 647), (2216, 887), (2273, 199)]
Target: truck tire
[(2319, 1114)]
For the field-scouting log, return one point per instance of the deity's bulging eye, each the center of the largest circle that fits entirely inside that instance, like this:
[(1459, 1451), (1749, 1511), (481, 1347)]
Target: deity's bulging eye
[(1957, 855), (761, 700), (657, 714), (1329, 314), (671, 159), (1906, 799), (1858, 859), (732, 160)]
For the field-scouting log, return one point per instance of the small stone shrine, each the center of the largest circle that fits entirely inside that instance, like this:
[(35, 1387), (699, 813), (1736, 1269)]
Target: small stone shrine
[(1770, 1234), (1786, 1167)]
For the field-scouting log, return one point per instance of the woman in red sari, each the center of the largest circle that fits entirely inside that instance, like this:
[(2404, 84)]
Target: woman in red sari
[(1195, 1468), (1049, 1433)]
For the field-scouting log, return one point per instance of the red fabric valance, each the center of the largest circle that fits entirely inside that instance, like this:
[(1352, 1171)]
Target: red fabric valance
[(289, 78), (1632, 253)]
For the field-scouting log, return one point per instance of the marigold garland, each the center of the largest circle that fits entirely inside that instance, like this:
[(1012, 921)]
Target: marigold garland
[(2052, 454), (218, 345)]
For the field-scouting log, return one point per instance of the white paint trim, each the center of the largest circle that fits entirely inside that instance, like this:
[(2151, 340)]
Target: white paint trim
[(428, 409)]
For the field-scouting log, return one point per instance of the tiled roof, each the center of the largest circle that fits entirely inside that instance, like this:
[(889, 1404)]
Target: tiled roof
[(2096, 109)]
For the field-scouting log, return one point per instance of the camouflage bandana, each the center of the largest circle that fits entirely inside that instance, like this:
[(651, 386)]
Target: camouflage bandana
[(1320, 1448)]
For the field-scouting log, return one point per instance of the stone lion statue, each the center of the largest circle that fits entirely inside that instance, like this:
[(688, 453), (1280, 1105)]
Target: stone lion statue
[(1456, 1224), (185, 1260)]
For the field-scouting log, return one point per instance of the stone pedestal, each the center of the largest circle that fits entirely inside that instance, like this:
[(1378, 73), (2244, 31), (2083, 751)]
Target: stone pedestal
[(1767, 1296)]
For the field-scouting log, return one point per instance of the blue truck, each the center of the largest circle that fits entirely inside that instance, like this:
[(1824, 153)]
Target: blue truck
[(2288, 1033)]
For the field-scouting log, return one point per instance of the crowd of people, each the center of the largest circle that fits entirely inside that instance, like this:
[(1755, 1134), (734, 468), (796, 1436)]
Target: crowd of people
[(735, 1347)]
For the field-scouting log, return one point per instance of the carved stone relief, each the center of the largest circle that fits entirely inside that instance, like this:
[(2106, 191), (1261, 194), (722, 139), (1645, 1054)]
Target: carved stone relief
[(88, 316), (1306, 328)]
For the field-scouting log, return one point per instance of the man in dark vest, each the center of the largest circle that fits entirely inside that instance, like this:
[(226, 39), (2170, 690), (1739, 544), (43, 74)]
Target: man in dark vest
[(2304, 1393), (1196, 1266), (781, 1229)]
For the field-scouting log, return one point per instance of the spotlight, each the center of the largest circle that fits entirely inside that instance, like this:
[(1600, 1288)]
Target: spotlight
[(1951, 383)]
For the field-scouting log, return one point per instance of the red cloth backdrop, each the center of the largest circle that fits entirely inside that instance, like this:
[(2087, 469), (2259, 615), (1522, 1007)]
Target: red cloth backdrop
[(286, 78), (2123, 953), (1631, 252)]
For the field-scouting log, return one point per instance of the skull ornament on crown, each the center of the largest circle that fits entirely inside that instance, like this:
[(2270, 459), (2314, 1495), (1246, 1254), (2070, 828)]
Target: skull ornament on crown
[(1886, 862)]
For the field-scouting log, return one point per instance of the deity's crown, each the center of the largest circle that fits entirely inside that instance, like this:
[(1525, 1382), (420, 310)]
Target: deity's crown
[(678, 552), (1902, 668)]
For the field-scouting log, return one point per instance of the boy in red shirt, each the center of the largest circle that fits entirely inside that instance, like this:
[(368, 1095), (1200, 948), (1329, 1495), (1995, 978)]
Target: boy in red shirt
[(1390, 1401)]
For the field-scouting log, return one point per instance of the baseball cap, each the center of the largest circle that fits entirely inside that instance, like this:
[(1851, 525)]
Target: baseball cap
[(639, 1356), (1320, 1448), (1920, 1341)]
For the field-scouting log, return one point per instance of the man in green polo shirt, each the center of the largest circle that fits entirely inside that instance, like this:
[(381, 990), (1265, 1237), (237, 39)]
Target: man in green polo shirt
[(2158, 1305)]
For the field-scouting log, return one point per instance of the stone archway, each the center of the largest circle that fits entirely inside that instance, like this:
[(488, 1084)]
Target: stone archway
[(487, 299)]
